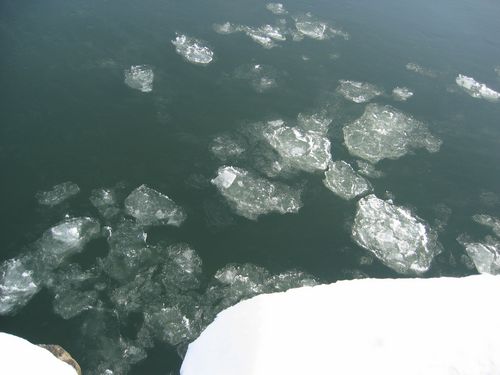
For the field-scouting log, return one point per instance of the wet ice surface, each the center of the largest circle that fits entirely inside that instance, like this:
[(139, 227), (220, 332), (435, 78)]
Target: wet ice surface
[(358, 92), (17, 286), (58, 194), (384, 132), (343, 181), (401, 240), (252, 196), (401, 94), (150, 207), (368, 169), (139, 77), (476, 89), (416, 68), (489, 221), (276, 8), (484, 254), (261, 77), (193, 50)]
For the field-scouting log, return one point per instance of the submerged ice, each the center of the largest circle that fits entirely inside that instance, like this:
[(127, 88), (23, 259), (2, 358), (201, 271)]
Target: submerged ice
[(401, 94), (139, 77), (343, 181), (261, 77), (58, 194), (276, 8), (358, 92), (193, 50), (401, 240), (476, 89)]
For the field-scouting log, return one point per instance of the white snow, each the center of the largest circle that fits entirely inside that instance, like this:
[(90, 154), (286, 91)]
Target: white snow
[(368, 326)]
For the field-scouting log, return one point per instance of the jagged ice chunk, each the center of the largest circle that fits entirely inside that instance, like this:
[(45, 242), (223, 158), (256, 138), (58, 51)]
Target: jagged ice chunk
[(343, 181)]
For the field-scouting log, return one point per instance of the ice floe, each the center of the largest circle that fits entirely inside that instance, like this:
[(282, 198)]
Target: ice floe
[(401, 94), (476, 89), (58, 194), (343, 181), (17, 286), (150, 207), (193, 50), (252, 196), (276, 8), (416, 68), (401, 240), (261, 77), (384, 132), (309, 26), (358, 92), (489, 221), (139, 77), (485, 254)]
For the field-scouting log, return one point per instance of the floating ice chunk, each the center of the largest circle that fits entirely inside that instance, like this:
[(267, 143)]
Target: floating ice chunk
[(272, 32), (358, 92), (488, 221), (150, 207), (385, 132), (70, 303), (226, 28), (58, 194), (402, 241), (276, 8), (317, 122), (413, 67), (368, 169), (311, 28), (476, 89), (259, 36), (193, 50), (401, 94), (183, 267), (252, 196), (17, 286), (303, 150), (139, 77), (485, 255), (262, 77), (106, 202), (226, 147), (343, 181)]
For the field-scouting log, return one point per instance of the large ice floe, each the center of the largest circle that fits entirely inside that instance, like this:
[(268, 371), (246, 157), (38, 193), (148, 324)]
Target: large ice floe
[(58, 194), (150, 207), (358, 92), (139, 77), (252, 196), (384, 132), (401, 240), (193, 50), (326, 329), (343, 181), (476, 89)]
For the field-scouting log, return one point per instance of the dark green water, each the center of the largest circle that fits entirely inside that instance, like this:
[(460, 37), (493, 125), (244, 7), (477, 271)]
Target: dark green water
[(66, 114)]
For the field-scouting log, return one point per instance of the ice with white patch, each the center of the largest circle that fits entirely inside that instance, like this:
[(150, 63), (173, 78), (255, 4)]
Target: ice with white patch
[(401, 240), (384, 132), (252, 196), (139, 77), (386, 323), (401, 94), (276, 8), (150, 207), (344, 181), (193, 50), (485, 254), (476, 89), (358, 92), (489, 221), (17, 286), (58, 194)]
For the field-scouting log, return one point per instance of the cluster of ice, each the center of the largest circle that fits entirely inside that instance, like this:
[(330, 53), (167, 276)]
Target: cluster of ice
[(413, 67), (401, 240), (489, 221), (17, 286), (485, 254), (310, 27), (150, 207), (261, 77), (193, 50), (358, 92), (368, 169), (477, 89), (140, 77), (252, 196), (401, 94), (343, 181), (58, 194), (385, 132)]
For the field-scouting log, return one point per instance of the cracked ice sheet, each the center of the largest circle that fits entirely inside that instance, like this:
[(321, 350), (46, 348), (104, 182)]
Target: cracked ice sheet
[(401, 240), (384, 132), (252, 196), (343, 181)]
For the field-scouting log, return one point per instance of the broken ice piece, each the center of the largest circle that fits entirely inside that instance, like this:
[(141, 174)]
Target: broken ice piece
[(193, 50), (17, 286), (485, 255), (358, 92), (139, 77), (343, 181), (276, 8), (58, 194), (476, 89)]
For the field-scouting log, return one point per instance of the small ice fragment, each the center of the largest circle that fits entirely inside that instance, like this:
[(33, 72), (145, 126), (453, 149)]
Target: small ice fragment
[(259, 36), (343, 181), (150, 207), (226, 28), (476, 89), (488, 221), (401, 94), (139, 77), (58, 194), (358, 92), (170, 325), (401, 240), (485, 255), (413, 67), (182, 268), (317, 122), (193, 50), (368, 169), (106, 202), (497, 71), (261, 77), (17, 286), (276, 8)]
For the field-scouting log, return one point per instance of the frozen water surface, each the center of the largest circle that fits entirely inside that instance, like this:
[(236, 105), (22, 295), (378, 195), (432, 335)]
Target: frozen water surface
[(358, 92), (17, 286), (58, 194), (401, 240), (150, 207), (384, 132), (139, 77), (193, 50), (401, 94), (343, 181), (276, 8), (252, 196), (485, 254), (476, 89), (489, 221)]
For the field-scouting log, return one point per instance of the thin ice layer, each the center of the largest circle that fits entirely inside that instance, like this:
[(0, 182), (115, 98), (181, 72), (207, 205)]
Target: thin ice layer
[(150, 207), (384, 132), (139, 77), (17, 286), (343, 181), (193, 50), (58, 194), (358, 92), (252, 196), (476, 89), (401, 240), (485, 255)]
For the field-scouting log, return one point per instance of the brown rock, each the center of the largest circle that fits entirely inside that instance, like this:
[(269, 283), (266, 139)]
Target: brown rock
[(63, 355)]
